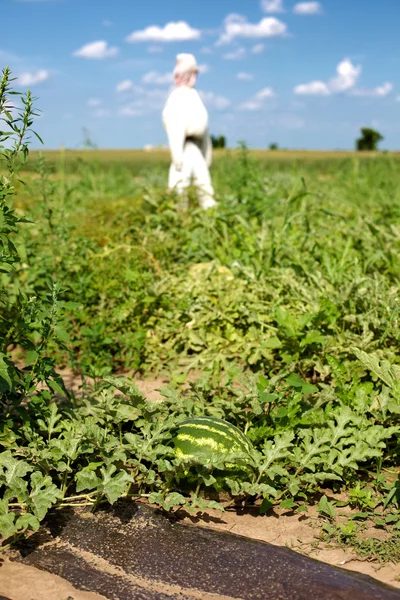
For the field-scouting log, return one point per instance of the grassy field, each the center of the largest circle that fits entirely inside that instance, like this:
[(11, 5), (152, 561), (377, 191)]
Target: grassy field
[(284, 301), (295, 233), (69, 160), (124, 156)]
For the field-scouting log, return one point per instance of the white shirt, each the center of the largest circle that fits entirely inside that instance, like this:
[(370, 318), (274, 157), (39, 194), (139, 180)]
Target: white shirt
[(185, 115)]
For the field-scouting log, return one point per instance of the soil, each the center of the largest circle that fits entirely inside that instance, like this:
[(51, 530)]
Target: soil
[(300, 533), (22, 582), (131, 551), (297, 532), (150, 388)]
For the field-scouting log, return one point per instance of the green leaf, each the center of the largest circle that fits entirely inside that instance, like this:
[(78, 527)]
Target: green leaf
[(13, 470), (114, 487), (266, 506), (27, 521), (44, 494), (62, 335), (288, 504), (3, 506), (360, 516), (4, 373), (31, 357), (86, 480), (170, 500), (38, 137), (7, 525), (203, 504), (306, 388), (294, 381), (272, 343), (56, 387), (392, 519), (327, 508), (388, 373)]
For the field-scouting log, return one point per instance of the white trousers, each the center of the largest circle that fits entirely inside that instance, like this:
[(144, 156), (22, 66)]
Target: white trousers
[(194, 170)]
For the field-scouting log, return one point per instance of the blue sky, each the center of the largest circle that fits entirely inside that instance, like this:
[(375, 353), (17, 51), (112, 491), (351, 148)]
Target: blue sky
[(302, 74)]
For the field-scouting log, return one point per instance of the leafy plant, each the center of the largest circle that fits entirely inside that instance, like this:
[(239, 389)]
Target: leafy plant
[(28, 323)]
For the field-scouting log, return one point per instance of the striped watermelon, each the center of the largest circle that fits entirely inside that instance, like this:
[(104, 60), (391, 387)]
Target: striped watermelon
[(204, 438)]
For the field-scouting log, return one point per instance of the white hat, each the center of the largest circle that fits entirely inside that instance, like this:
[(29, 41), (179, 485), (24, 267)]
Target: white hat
[(186, 62)]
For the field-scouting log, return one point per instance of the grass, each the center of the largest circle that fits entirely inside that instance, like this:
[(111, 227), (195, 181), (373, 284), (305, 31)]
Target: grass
[(311, 244)]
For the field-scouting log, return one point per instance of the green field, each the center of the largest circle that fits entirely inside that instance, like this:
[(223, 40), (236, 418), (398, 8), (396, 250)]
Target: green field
[(279, 310), (308, 246)]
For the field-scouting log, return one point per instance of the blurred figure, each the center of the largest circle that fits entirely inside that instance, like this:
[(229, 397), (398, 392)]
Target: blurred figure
[(185, 120)]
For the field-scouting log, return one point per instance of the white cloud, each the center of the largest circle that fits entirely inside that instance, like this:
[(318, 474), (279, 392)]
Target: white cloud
[(384, 90), (135, 100), (379, 92), (346, 78), (272, 6), (314, 88), (257, 102), (398, 99), (107, 23), (250, 105), (267, 27), (140, 100), (214, 101), (153, 95), (265, 93), (178, 31), (125, 86), (234, 18), (245, 76), (93, 102), (203, 69), (28, 79), (129, 111), (307, 8), (98, 50), (258, 48), (155, 49), (207, 50), (237, 54), (156, 78)]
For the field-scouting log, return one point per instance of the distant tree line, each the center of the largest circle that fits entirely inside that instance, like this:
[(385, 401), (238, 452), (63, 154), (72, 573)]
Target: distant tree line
[(218, 142), (369, 140)]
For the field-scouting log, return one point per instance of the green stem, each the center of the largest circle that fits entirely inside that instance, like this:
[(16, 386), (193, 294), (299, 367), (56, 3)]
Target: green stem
[(65, 478)]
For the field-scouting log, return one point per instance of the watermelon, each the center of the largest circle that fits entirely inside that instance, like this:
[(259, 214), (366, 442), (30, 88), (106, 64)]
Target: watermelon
[(204, 438)]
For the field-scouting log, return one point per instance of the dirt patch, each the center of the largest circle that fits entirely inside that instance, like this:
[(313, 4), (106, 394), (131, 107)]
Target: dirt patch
[(130, 551), (22, 582), (299, 533), (150, 387)]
